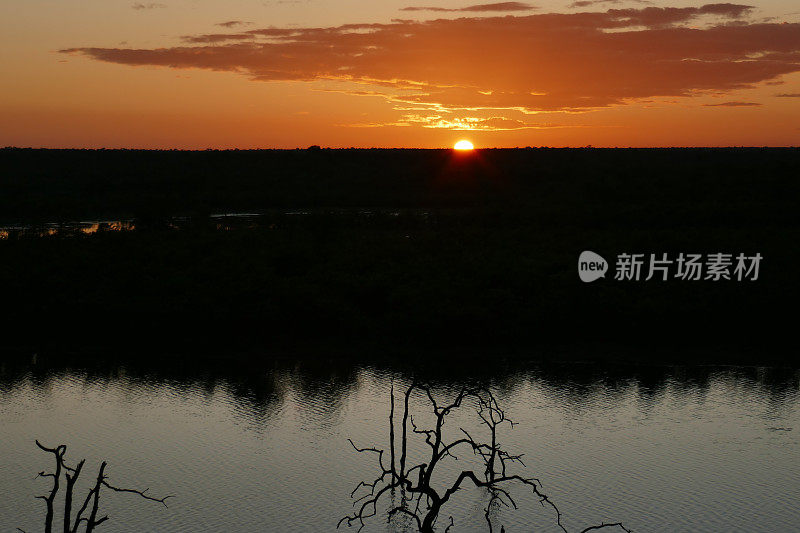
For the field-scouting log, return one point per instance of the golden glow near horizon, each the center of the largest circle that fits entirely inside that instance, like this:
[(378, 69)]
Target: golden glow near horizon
[(242, 74), (464, 145)]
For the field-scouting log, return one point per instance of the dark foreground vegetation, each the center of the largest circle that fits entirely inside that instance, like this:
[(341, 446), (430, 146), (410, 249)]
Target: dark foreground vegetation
[(73, 518), (495, 475), (402, 251)]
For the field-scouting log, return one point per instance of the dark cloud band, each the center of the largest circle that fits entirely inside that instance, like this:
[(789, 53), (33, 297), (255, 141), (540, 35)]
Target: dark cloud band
[(541, 62)]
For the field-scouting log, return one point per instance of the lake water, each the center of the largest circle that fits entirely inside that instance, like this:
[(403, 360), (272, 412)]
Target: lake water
[(264, 448)]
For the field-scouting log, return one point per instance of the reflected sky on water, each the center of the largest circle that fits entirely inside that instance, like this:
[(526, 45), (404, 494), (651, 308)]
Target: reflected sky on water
[(264, 448)]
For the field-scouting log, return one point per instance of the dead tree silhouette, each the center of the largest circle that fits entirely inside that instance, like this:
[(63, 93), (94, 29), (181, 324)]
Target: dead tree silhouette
[(91, 502), (419, 499)]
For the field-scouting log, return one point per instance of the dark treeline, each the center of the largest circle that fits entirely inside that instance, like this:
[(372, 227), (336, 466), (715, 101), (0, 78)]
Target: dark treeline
[(480, 256), (576, 185)]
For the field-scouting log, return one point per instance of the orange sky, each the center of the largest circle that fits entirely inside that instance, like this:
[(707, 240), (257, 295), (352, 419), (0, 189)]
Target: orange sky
[(285, 74)]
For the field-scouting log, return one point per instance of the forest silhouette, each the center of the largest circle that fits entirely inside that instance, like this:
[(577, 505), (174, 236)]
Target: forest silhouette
[(396, 251)]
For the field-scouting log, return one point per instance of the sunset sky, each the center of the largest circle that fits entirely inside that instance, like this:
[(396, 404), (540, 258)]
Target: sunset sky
[(340, 73)]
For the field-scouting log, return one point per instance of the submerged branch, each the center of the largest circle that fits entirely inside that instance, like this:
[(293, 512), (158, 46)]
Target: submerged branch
[(71, 523), (494, 479)]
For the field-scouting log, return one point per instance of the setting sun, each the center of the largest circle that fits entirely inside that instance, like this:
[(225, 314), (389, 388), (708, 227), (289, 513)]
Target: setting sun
[(463, 145)]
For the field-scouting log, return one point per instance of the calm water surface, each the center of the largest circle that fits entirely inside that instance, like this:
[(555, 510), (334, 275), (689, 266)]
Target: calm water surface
[(664, 449)]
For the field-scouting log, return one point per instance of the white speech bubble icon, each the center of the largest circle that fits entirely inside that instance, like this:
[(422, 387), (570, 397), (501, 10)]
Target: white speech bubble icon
[(591, 266)]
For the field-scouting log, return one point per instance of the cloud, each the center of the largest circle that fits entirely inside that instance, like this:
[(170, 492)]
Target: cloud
[(587, 3), (478, 8), (535, 63), (495, 123), (733, 104), (658, 17), (788, 95), (209, 38), (139, 6), (233, 23)]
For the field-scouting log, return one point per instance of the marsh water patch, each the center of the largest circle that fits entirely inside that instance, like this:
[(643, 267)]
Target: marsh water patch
[(268, 219)]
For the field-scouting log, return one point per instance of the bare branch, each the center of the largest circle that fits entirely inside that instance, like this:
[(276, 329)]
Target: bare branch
[(495, 477), (58, 452), (141, 493), (92, 500), (391, 432), (71, 479), (405, 431), (601, 526)]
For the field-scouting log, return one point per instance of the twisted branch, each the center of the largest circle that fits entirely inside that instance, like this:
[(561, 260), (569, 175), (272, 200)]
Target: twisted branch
[(494, 478), (91, 502)]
